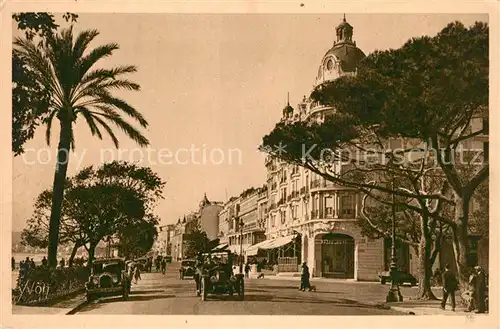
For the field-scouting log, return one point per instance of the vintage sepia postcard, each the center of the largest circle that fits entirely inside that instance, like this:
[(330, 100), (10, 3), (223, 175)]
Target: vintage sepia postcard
[(185, 164)]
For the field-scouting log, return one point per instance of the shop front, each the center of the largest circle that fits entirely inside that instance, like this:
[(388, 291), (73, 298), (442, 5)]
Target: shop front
[(335, 255), (337, 249), (283, 254)]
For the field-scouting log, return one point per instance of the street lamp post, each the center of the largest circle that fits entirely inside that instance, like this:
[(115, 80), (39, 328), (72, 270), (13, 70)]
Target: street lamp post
[(394, 293), (240, 227)]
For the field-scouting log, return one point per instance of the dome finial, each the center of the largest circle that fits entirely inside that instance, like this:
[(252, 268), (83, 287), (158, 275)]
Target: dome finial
[(288, 98), (344, 18)]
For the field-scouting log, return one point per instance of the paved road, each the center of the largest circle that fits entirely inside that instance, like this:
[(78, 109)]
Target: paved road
[(167, 294)]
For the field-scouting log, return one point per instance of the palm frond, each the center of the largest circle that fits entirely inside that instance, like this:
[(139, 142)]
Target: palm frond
[(90, 121), (108, 129), (125, 107), (82, 42), (40, 65), (85, 63), (97, 89), (131, 132)]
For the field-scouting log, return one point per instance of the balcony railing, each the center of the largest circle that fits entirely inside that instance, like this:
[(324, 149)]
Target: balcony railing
[(321, 184)]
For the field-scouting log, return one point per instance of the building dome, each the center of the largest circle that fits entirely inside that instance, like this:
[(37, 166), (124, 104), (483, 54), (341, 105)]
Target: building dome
[(287, 110), (204, 202), (343, 57)]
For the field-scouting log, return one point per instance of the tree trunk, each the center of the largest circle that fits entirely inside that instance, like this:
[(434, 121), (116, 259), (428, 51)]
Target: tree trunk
[(91, 255), (58, 191), (424, 261), (73, 254), (460, 240)]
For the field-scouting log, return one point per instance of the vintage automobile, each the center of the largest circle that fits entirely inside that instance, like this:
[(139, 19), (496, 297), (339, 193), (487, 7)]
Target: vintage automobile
[(217, 277), (108, 277), (187, 268), (401, 278)]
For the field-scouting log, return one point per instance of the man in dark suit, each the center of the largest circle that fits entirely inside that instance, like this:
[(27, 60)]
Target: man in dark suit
[(480, 295), (449, 287)]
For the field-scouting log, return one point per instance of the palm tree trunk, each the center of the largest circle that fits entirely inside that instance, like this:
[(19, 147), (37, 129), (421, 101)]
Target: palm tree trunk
[(58, 190)]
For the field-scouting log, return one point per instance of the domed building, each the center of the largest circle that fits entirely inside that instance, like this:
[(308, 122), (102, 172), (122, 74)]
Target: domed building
[(310, 219)]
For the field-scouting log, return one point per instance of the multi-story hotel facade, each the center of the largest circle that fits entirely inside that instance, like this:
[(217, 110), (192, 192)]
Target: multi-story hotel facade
[(313, 220), (309, 219)]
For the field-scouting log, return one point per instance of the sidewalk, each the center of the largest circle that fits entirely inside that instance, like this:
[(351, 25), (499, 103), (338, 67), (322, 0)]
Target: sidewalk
[(60, 308), (374, 293)]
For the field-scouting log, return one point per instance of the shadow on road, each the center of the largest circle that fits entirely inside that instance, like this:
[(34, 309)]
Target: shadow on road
[(308, 298), (101, 302)]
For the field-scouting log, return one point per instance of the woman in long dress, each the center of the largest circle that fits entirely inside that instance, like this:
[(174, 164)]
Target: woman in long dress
[(137, 273)]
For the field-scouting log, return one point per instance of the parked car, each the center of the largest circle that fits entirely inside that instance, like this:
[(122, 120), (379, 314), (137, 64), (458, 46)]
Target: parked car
[(402, 277), (187, 268), (218, 277), (108, 277)]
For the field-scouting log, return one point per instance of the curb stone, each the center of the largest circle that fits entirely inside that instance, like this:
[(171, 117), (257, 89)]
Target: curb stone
[(77, 308)]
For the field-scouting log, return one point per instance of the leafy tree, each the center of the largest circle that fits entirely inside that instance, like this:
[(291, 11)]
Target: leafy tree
[(62, 65), (425, 94), (197, 241), (100, 211), (137, 239), (30, 101), (140, 184)]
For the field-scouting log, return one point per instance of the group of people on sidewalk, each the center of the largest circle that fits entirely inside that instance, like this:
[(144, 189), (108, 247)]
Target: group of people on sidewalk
[(475, 295)]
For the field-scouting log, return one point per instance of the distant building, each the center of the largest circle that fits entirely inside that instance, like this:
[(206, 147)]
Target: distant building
[(241, 222), (206, 218), (163, 243)]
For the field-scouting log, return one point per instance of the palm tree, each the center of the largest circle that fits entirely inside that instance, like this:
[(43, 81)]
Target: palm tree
[(64, 68)]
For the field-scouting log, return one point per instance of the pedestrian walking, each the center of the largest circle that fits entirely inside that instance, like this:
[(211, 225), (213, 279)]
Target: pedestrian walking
[(304, 278), (450, 285), (247, 270), (198, 273), (480, 291), (32, 264), (137, 273), (44, 262), (163, 266), (62, 263)]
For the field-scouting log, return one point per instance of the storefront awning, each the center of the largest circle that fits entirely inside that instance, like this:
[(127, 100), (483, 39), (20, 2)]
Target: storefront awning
[(279, 242), (222, 246), (269, 244), (252, 250)]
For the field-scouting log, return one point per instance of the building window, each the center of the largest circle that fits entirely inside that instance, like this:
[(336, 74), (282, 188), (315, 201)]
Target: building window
[(329, 206), (347, 206)]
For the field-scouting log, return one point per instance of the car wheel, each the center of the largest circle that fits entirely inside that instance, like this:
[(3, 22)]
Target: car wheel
[(89, 297), (203, 289), (241, 290), (382, 280), (413, 283)]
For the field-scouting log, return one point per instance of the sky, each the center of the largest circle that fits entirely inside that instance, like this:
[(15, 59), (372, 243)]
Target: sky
[(213, 84)]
